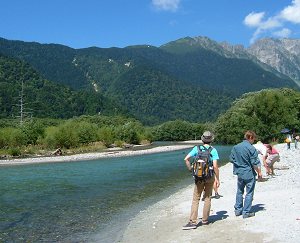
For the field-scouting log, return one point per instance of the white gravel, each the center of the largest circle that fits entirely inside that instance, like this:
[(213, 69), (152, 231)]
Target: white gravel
[(276, 203)]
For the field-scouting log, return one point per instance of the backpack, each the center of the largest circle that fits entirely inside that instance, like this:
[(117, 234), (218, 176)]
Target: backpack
[(202, 167)]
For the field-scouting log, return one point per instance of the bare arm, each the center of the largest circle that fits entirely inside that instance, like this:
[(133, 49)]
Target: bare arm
[(265, 159), (217, 173), (187, 162), (258, 170)]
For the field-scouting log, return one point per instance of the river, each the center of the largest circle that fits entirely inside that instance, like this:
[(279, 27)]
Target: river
[(74, 202)]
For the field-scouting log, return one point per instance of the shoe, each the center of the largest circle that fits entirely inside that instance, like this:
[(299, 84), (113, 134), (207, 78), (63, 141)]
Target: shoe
[(238, 213), (204, 223), (217, 195), (189, 226), (248, 215)]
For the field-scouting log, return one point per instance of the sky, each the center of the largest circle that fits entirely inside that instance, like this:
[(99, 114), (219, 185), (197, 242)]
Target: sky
[(121, 23)]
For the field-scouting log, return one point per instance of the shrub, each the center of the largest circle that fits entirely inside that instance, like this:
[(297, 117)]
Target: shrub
[(86, 132), (32, 131), (14, 152), (11, 137), (66, 136), (49, 140), (106, 135)]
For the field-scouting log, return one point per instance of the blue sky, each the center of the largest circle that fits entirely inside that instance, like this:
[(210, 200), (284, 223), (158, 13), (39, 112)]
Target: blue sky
[(120, 23)]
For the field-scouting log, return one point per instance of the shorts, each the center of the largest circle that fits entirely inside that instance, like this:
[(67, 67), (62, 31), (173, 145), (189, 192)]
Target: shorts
[(272, 158)]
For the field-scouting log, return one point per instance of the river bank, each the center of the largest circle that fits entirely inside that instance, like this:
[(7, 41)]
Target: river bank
[(109, 153), (85, 198), (275, 203)]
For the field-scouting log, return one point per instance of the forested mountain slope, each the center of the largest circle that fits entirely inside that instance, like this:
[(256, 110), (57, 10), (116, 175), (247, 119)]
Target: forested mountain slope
[(43, 98), (179, 80)]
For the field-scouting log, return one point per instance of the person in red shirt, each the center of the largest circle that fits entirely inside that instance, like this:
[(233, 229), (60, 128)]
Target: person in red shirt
[(271, 157)]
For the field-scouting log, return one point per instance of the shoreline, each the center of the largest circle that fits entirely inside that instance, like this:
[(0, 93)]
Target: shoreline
[(275, 203), (97, 155)]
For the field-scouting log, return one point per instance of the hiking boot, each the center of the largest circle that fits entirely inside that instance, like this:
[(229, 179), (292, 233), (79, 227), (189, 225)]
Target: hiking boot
[(217, 195), (189, 226), (248, 215)]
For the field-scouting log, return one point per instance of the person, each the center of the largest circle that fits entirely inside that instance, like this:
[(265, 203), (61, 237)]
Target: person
[(246, 164), (215, 187), (271, 157), (296, 139), (262, 152), (57, 152), (288, 141), (202, 185)]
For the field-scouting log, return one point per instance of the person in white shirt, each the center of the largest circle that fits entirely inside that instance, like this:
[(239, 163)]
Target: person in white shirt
[(262, 152)]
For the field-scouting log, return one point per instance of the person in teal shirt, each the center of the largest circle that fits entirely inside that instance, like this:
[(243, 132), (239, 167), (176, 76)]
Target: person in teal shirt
[(202, 185)]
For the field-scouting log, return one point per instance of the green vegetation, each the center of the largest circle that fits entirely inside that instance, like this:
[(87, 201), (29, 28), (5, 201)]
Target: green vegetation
[(266, 112), (89, 99), (154, 85), (177, 131), (45, 99), (76, 134)]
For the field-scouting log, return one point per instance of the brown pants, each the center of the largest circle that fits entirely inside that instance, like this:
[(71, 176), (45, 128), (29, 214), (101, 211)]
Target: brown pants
[(198, 189)]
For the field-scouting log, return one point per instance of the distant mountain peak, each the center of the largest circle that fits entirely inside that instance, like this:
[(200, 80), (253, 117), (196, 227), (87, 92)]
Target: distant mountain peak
[(281, 54), (190, 44)]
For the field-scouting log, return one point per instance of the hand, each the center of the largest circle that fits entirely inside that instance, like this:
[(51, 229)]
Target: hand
[(217, 182)]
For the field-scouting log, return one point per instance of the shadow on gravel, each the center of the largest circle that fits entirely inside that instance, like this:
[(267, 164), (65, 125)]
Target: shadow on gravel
[(257, 207), (220, 215)]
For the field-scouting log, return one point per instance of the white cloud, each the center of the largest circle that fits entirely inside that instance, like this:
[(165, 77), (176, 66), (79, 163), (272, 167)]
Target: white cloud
[(254, 19), (261, 25), (283, 33), (255, 35), (292, 13), (166, 5), (272, 24)]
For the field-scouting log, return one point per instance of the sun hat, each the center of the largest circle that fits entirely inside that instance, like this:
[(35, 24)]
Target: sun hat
[(207, 137)]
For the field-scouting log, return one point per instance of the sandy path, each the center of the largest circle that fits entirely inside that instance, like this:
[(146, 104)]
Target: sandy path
[(276, 203)]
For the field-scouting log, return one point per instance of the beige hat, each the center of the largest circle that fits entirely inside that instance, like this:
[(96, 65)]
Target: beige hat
[(207, 137)]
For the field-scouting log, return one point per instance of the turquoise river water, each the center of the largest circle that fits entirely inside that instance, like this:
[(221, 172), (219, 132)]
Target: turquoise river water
[(86, 201)]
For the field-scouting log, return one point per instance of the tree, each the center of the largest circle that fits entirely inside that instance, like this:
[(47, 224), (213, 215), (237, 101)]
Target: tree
[(266, 112)]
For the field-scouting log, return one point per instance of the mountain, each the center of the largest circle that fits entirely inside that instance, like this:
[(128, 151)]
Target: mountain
[(155, 97), (224, 49), (216, 67), (281, 54), (53, 62), (43, 98), (195, 79)]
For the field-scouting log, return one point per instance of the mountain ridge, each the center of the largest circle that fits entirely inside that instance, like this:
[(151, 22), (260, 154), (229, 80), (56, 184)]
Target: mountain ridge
[(184, 68), (281, 54)]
